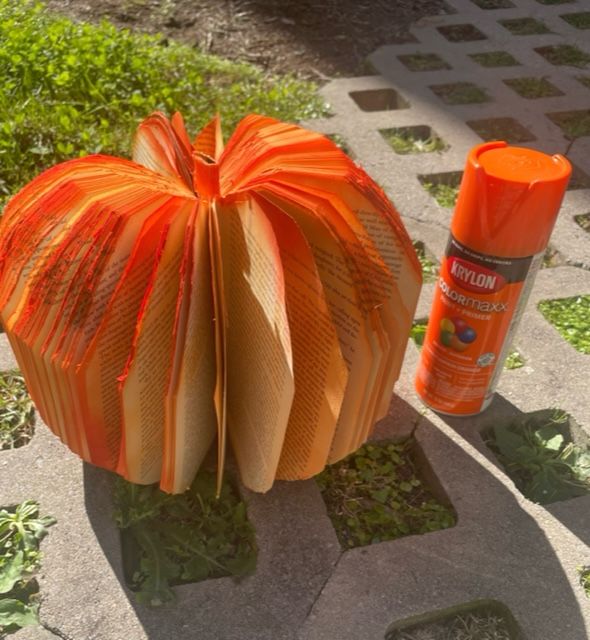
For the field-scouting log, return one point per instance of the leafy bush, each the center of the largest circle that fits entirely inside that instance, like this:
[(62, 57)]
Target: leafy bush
[(183, 538), (21, 531), (70, 89)]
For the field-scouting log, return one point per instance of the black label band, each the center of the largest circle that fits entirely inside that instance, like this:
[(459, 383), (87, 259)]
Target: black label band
[(511, 269)]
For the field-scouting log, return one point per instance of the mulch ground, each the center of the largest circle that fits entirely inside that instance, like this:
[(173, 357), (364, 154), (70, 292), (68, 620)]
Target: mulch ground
[(315, 39)]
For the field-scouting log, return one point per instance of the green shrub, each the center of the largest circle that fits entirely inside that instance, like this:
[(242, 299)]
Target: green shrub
[(70, 89)]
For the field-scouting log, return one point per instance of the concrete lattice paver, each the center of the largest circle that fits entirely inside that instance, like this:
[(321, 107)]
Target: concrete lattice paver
[(503, 547)]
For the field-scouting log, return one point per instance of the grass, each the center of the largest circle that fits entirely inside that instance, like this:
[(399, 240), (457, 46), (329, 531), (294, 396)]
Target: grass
[(570, 317), (533, 88), (507, 129), (17, 415), (429, 267), (70, 89), (175, 539), (495, 59), (461, 33), (460, 93), (579, 20), (423, 62), (469, 626), (377, 494), (524, 26), (574, 124), (584, 573), (565, 55), (420, 139), (537, 452)]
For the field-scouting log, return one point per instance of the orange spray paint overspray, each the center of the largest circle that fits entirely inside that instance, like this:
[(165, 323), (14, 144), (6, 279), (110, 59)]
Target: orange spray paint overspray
[(507, 206)]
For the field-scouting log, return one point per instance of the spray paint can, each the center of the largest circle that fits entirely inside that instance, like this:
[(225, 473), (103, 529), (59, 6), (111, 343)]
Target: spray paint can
[(508, 203)]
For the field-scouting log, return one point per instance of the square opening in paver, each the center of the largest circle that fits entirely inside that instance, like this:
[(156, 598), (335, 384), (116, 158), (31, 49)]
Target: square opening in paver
[(383, 491), (379, 100), (443, 187), (533, 88), (507, 129), (477, 620), (565, 55), (427, 261), (168, 540), (461, 33), (578, 20), (460, 93), (574, 124), (17, 414), (341, 143), (423, 61), (494, 59), (570, 317), (524, 26), (545, 453), (493, 4), (584, 221), (416, 139)]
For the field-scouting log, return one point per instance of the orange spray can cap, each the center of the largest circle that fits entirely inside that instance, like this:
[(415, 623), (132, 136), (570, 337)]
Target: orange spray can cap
[(509, 199)]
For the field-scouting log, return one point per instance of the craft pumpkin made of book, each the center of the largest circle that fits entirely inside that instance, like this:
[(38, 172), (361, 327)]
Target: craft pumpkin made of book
[(263, 293)]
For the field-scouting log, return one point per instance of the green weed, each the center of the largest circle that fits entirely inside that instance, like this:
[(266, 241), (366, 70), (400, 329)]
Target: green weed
[(418, 332), (533, 88), (460, 93), (404, 140), (21, 531), (70, 89), (429, 268), (183, 538), (494, 59), (537, 456), (565, 54), (445, 194), (16, 411), (578, 20), (524, 26), (423, 62), (376, 494), (513, 360), (570, 317), (584, 573)]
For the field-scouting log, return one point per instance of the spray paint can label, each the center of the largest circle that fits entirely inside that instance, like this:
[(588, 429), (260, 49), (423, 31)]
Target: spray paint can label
[(487, 274)]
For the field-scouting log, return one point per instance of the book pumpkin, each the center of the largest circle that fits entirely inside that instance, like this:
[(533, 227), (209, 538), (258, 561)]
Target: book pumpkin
[(261, 293)]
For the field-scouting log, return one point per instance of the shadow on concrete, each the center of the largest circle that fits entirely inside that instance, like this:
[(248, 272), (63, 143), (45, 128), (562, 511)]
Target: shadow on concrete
[(496, 548), (572, 513)]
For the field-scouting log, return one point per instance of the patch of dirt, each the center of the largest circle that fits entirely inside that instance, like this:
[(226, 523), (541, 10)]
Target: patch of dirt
[(316, 39)]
